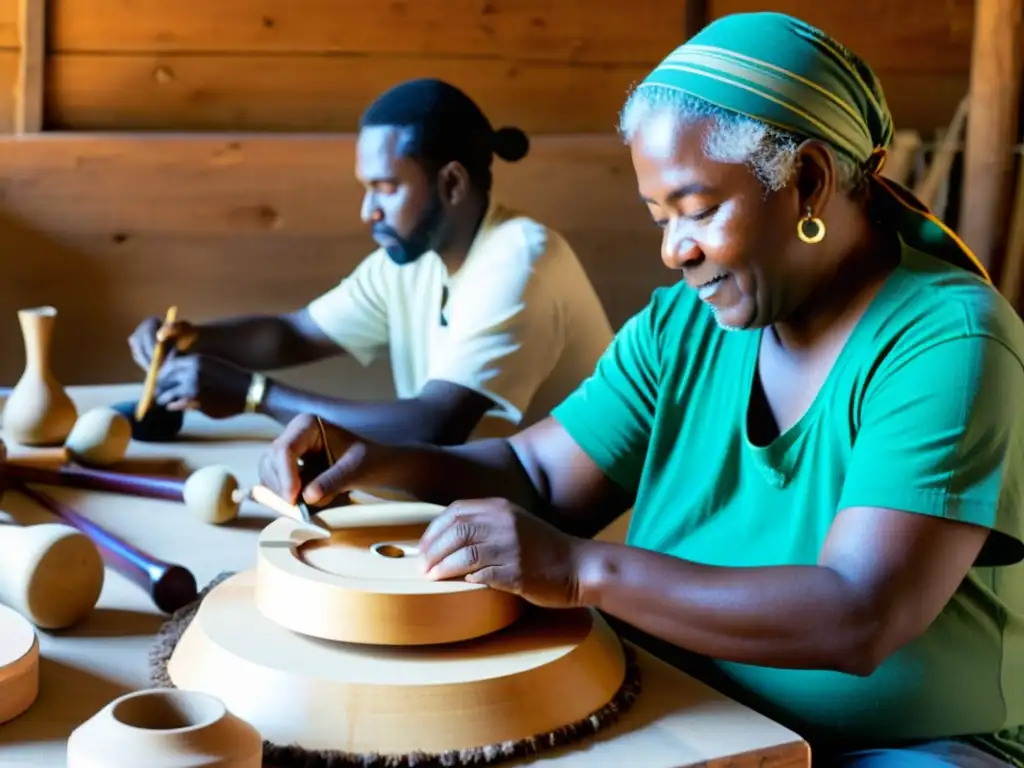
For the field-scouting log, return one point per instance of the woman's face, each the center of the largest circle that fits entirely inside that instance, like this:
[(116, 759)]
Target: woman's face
[(734, 243)]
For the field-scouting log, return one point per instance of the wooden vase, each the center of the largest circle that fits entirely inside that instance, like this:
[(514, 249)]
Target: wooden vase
[(161, 728), (50, 573), (38, 411)]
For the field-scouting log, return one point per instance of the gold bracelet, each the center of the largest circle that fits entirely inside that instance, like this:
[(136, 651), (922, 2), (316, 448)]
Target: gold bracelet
[(254, 397)]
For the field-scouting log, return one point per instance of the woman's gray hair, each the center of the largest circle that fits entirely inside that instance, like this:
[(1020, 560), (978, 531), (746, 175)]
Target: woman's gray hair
[(769, 152)]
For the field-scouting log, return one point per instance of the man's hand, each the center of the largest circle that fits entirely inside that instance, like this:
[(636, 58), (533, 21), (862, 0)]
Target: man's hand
[(151, 331), (355, 461), (494, 542), (213, 386)]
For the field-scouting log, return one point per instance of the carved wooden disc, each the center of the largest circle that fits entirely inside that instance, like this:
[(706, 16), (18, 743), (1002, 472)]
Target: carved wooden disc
[(359, 579), (549, 669), (19, 664)]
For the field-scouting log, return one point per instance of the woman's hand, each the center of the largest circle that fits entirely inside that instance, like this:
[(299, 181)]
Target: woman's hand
[(354, 459), (494, 542)]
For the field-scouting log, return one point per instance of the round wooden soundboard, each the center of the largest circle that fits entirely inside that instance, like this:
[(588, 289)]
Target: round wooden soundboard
[(19, 664), (547, 671), (357, 577)]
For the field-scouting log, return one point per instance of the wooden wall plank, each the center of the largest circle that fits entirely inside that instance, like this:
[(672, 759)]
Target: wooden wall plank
[(28, 113), (128, 92), (179, 92), (923, 101), (910, 36), (8, 24), (993, 125), (8, 87), (569, 30), (222, 224)]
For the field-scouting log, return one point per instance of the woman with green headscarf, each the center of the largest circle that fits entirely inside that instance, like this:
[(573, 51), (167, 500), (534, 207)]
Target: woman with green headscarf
[(820, 428)]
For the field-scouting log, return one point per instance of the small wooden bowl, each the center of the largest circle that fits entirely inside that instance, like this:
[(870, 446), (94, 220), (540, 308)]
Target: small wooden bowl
[(19, 664), (360, 579), (165, 729)]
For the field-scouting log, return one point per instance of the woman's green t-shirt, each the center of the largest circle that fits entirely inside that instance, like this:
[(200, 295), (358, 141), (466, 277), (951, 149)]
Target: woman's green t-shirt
[(923, 412)]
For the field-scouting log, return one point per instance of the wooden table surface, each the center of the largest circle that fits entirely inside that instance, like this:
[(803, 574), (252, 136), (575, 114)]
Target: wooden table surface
[(676, 722)]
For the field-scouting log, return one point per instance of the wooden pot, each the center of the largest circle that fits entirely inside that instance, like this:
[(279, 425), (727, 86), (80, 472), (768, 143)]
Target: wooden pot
[(161, 728)]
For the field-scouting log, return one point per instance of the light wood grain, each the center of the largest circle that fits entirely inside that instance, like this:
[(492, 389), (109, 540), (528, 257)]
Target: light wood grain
[(8, 87), (319, 93), (569, 30), (268, 93), (992, 128), (9, 24), (28, 114), (151, 221), (332, 581)]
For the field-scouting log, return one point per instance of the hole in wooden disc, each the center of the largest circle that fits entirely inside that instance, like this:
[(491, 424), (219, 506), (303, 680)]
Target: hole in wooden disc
[(388, 550)]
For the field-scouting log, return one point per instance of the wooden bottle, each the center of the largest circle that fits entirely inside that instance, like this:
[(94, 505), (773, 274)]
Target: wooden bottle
[(38, 411), (50, 573)]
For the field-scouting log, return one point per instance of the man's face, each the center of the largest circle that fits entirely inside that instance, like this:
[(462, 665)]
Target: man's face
[(402, 204)]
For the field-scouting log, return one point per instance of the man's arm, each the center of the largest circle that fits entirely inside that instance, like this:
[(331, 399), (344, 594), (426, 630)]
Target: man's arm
[(266, 342), (442, 414)]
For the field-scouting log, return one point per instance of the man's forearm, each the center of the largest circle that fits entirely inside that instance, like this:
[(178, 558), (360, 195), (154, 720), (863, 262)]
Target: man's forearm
[(392, 422), (256, 342), (786, 616)]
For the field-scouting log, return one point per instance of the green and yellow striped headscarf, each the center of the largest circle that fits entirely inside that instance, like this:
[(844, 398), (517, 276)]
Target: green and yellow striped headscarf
[(782, 71)]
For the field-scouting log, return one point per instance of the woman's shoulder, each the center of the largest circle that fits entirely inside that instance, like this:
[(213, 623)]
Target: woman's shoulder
[(929, 301)]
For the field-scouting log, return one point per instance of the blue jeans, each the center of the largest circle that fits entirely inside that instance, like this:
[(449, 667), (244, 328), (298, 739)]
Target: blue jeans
[(934, 754)]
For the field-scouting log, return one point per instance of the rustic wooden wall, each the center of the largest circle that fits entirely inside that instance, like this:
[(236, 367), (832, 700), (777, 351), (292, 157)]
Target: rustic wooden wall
[(112, 228), (219, 219), (9, 46), (314, 64), (551, 67)]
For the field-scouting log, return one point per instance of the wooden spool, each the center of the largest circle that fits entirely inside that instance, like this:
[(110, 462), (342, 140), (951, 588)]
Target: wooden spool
[(19, 664), (359, 579), (549, 669)]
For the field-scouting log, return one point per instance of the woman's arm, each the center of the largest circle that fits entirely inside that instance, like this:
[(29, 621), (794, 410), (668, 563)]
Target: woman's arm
[(541, 469), (882, 578)]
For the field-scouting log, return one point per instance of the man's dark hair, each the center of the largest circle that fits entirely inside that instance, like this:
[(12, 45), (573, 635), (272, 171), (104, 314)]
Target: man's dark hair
[(443, 124)]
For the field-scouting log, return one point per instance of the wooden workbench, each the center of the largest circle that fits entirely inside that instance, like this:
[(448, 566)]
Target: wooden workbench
[(676, 722)]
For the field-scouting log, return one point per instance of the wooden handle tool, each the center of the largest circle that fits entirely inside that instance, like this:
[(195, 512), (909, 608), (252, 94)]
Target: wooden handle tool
[(149, 388)]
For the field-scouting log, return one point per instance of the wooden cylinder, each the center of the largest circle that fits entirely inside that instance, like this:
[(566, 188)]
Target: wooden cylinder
[(170, 586), (51, 573)]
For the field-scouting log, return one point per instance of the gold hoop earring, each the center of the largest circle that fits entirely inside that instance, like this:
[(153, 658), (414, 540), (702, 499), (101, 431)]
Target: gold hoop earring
[(817, 233)]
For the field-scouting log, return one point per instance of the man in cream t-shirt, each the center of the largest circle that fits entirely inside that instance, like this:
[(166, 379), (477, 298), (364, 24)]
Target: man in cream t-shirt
[(518, 322), (487, 315)]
